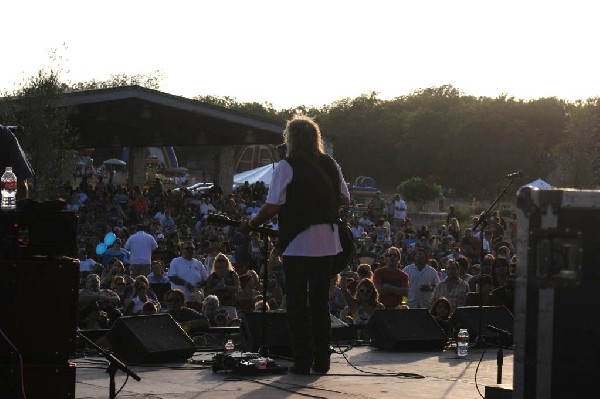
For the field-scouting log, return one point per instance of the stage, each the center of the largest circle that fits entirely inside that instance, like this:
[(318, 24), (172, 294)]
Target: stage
[(356, 372)]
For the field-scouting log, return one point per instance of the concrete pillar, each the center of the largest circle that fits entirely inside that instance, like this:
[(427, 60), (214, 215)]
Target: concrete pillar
[(224, 173), (137, 166)]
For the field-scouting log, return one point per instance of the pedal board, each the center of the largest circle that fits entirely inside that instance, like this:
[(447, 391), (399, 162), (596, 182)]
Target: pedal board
[(246, 363)]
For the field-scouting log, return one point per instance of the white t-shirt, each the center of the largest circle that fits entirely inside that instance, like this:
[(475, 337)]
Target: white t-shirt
[(316, 240), (140, 246), (192, 271), (400, 209)]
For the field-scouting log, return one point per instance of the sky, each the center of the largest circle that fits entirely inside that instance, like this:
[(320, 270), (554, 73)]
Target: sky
[(312, 53)]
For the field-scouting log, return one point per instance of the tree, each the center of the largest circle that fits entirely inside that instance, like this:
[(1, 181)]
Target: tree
[(47, 132), (418, 191)]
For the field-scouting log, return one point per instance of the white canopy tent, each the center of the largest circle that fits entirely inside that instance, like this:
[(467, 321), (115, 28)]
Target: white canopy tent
[(541, 184), (262, 173)]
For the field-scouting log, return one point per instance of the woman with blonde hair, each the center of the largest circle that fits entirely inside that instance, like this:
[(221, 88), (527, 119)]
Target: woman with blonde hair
[(223, 281)]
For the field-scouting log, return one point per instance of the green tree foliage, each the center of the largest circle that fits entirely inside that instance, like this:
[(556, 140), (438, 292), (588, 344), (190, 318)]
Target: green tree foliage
[(578, 155), (439, 134), (119, 80), (418, 191), (46, 135)]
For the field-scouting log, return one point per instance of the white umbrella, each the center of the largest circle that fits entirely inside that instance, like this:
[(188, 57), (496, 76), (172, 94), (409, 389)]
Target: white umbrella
[(114, 161)]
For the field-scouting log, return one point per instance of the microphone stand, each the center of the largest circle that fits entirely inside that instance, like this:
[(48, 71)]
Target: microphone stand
[(114, 364), (263, 349), (482, 220)]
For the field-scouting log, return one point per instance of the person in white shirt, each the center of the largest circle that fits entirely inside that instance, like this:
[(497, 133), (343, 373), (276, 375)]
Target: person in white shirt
[(187, 273), (422, 279), (206, 207), (140, 246), (307, 190), (400, 211)]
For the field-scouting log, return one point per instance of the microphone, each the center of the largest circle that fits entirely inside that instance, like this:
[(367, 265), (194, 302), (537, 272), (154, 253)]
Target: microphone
[(498, 330), (16, 129), (518, 173)]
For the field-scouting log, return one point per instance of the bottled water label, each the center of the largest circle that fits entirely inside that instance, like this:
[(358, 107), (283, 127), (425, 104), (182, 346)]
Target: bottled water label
[(462, 341), (9, 190)]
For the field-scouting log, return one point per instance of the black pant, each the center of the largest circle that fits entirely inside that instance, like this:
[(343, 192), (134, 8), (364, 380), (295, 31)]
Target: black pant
[(309, 321)]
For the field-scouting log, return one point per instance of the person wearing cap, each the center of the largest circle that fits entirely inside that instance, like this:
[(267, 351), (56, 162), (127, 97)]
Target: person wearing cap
[(140, 246), (377, 203), (187, 274)]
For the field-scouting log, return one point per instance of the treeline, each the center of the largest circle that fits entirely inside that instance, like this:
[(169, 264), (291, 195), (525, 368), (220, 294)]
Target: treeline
[(458, 141), (439, 134)]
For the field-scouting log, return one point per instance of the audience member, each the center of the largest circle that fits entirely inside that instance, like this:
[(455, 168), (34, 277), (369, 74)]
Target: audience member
[(422, 279), (441, 309), (191, 321), (140, 246), (223, 281), (361, 305), (391, 282), (188, 275), (452, 288)]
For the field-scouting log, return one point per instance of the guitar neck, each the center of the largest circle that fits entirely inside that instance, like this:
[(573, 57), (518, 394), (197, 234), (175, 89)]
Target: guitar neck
[(222, 220)]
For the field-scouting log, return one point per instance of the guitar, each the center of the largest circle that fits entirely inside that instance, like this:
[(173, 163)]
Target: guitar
[(220, 219), (339, 262)]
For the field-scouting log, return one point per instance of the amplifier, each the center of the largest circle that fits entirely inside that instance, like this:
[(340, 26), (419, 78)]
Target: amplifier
[(36, 233)]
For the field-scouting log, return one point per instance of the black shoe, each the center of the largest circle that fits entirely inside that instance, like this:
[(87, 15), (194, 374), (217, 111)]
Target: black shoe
[(299, 370), (321, 367)]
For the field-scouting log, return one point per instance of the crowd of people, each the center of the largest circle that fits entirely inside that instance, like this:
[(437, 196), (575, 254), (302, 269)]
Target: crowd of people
[(163, 237), (171, 255)]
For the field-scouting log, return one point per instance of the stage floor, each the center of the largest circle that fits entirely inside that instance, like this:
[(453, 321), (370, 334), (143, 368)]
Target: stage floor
[(356, 372)]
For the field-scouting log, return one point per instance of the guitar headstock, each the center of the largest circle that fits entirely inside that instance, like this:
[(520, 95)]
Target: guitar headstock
[(221, 219)]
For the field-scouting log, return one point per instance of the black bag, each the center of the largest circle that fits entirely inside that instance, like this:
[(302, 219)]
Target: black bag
[(342, 259)]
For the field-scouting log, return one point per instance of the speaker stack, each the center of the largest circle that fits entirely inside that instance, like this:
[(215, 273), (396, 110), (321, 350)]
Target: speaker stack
[(38, 293), (38, 324)]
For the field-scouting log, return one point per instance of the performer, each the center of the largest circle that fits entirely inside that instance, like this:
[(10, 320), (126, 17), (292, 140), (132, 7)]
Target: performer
[(307, 191), (11, 154)]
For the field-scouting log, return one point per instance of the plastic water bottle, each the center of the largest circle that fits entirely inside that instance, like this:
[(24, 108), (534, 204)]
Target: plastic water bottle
[(229, 347), (9, 190), (462, 342)]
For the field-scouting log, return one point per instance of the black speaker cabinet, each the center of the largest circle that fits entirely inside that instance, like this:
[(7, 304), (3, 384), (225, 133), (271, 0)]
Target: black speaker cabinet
[(277, 333), (406, 330), (469, 317), (38, 309), (30, 234), (154, 338), (41, 381)]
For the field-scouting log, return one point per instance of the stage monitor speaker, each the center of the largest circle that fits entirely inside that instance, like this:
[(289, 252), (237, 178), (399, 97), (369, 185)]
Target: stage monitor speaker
[(156, 338), (38, 314), (406, 330), (41, 381), (277, 333), (497, 316)]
